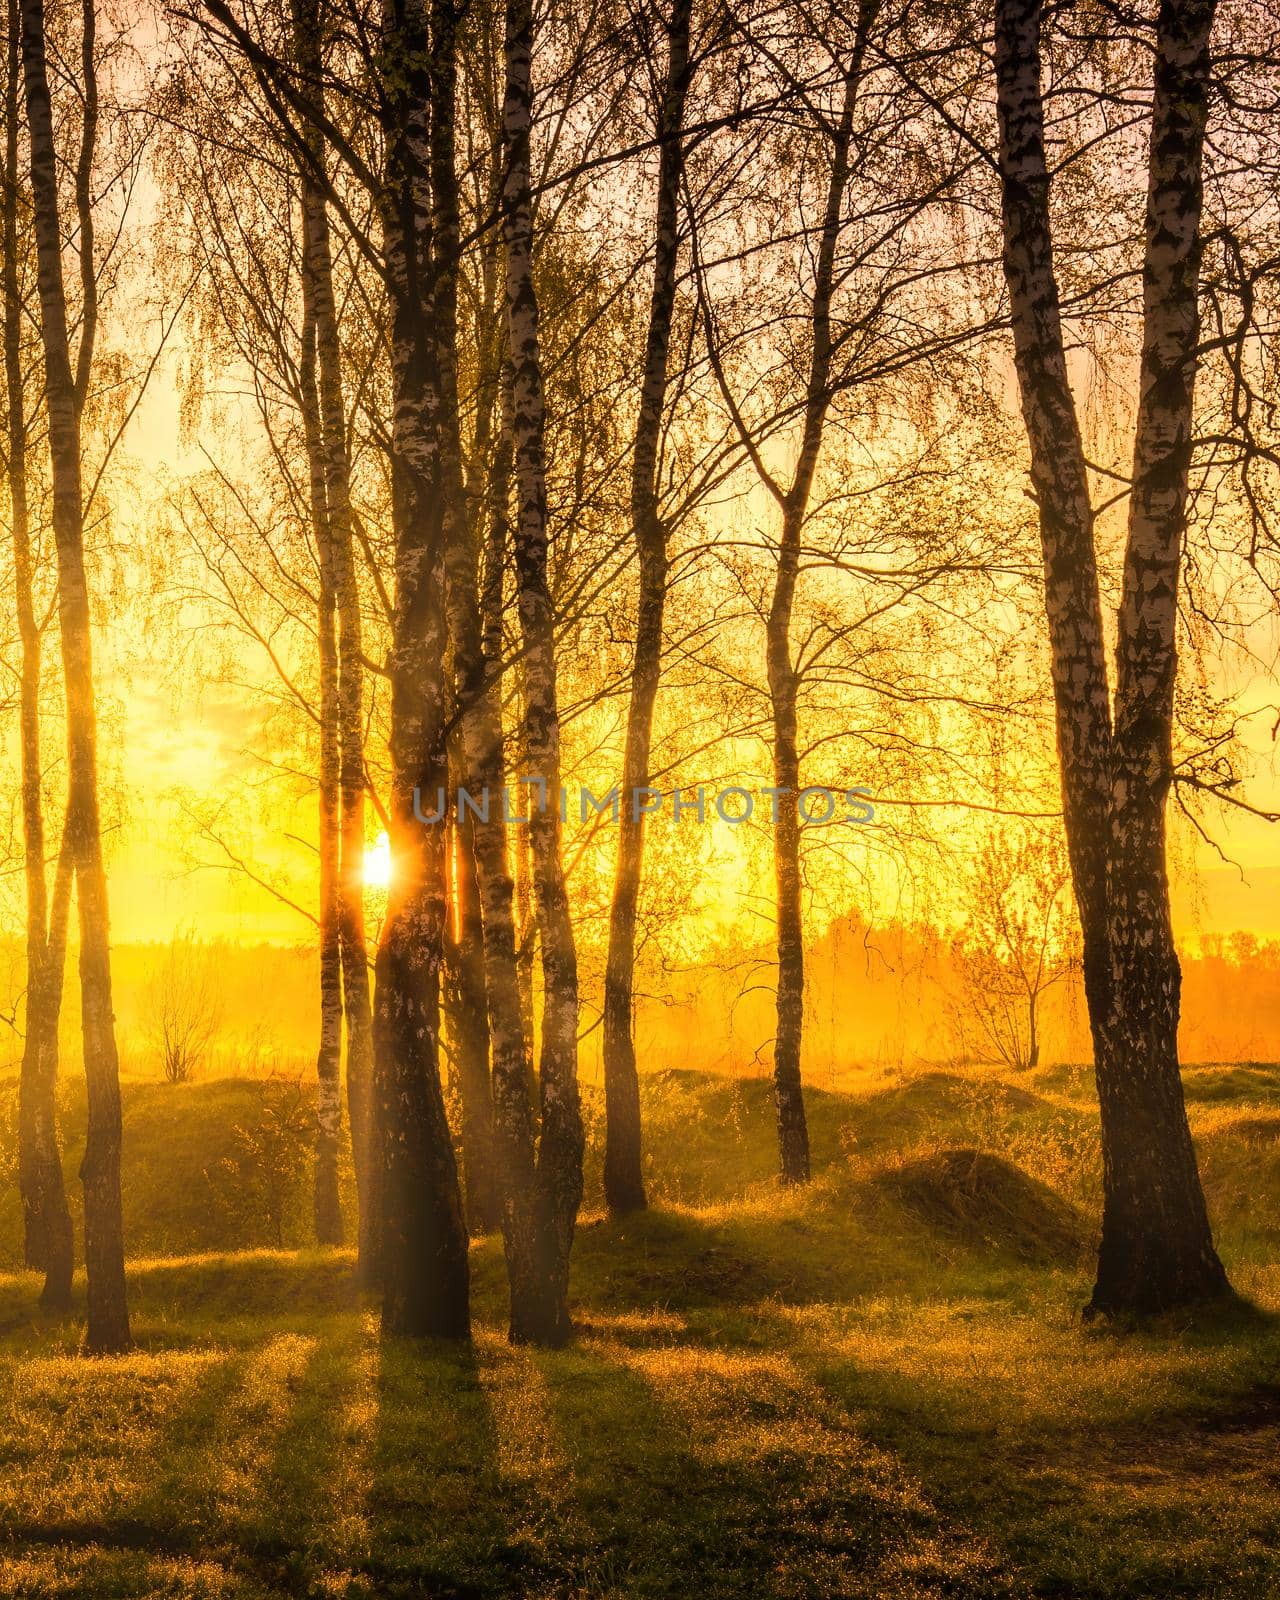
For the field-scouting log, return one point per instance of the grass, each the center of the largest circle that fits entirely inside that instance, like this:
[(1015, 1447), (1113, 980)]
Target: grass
[(880, 1387)]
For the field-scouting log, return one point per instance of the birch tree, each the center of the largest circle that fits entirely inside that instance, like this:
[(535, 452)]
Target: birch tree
[(331, 494), (1116, 756), (327, 1206), (838, 347), (48, 1244), (65, 390), (537, 1314), (423, 1247), (289, 577), (623, 1170), (559, 1174)]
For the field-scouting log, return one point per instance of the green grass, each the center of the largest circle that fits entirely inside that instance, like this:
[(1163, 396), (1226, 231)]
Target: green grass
[(880, 1387), (175, 1137)]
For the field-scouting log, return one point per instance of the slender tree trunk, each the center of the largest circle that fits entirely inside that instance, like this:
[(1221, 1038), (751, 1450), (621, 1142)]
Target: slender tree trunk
[(793, 1132), (1157, 1249), (484, 1208), (484, 878), (60, 1264), (357, 1003), (47, 1235), (508, 908), (561, 1140), (351, 781), (497, 530), (423, 1249), (1157, 1246), (42, 1040), (423, 1255), (526, 947), (623, 1164), (327, 1204), (1060, 480), (108, 1320), (477, 714)]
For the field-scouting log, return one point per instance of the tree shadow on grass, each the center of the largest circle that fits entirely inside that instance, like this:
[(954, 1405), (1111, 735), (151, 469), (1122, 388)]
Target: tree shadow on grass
[(1092, 1464), (724, 1473), (965, 1362), (433, 1506), (176, 1301), (96, 1523), (174, 1499), (250, 1474), (27, 1327)]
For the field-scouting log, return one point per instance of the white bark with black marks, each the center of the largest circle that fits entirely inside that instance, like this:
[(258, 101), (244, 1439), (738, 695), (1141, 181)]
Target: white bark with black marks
[(423, 1238), (327, 1208), (48, 1243), (506, 1136), (108, 1317), (340, 522), (561, 1142), (1157, 1249)]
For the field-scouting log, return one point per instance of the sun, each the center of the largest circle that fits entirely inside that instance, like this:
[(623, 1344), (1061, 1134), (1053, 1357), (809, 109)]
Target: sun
[(377, 863)]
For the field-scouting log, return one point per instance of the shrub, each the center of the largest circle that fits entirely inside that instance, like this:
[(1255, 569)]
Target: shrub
[(255, 1185)]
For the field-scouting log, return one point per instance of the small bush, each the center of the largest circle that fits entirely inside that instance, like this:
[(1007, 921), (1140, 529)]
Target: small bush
[(255, 1186), (185, 1007)]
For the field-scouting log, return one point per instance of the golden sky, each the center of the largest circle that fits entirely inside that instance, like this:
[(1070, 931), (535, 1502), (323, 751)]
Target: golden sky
[(174, 740)]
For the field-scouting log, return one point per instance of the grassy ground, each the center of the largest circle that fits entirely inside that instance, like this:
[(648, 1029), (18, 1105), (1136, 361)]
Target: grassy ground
[(879, 1388)]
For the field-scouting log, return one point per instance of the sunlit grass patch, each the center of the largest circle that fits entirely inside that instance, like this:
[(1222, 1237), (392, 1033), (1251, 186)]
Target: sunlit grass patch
[(72, 1571), (80, 1439), (828, 1391)]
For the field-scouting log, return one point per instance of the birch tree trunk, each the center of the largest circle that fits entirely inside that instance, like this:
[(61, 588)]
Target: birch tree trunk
[(788, 1093), (623, 1164), (350, 694), (497, 528), (471, 1038), (1157, 1250), (793, 1132), (488, 1020), (561, 1140), (327, 1206), (108, 1317), (423, 1254), (484, 877), (47, 1234), (515, 1084), (357, 1007), (497, 540), (526, 944), (1060, 480), (1157, 1246)]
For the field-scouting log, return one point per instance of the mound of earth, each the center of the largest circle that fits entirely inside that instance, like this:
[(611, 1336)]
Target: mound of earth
[(1246, 1080), (903, 1113), (667, 1259), (978, 1199)]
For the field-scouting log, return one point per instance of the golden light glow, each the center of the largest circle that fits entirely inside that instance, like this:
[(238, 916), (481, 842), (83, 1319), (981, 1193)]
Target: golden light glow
[(377, 863)]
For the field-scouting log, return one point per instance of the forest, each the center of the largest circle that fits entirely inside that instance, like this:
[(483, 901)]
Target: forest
[(639, 686)]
